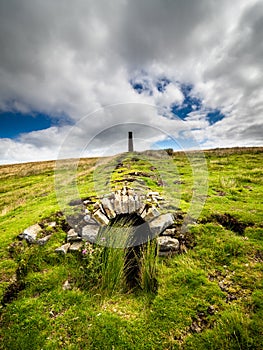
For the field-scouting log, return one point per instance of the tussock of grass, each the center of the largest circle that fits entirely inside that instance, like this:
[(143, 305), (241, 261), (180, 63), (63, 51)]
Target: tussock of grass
[(148, 264)]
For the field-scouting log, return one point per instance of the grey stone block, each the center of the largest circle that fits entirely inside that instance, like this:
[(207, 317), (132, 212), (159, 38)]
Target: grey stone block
[(125, 204), (100, 217), (72, 236), (75, 246), (44, 240), (131, 204), (108, 208), (90, 233), (117, 204), (167, 243), (63, 249), (160, 223), (88, 218), (52, 224), (169, 232), (150, 194), (30, 233), (150, 213)]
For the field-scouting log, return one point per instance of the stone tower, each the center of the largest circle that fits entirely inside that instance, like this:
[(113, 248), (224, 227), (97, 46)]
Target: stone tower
[(130, 142)]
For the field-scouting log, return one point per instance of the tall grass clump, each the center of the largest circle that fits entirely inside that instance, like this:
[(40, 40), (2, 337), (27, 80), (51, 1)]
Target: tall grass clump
[(148, 266), (112, 270), (113, 258), (124, 266)]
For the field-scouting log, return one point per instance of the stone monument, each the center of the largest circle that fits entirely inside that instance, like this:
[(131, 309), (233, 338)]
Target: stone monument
[(130, 142)]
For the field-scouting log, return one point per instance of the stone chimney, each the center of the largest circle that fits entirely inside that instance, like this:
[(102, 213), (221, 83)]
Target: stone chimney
[(130, 142)]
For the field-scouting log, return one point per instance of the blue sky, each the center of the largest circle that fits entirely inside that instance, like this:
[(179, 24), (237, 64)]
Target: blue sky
[(182, 110), (13, 124)]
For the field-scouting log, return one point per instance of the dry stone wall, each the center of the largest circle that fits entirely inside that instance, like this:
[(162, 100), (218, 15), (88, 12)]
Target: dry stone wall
[(98, 215)]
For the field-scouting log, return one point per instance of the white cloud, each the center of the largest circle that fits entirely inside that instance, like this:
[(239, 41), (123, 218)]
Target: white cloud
[(171, 95), (76, 57)]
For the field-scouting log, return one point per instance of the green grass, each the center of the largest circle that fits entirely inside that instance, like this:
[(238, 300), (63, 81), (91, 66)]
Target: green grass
[(208, 298), (149, 267)]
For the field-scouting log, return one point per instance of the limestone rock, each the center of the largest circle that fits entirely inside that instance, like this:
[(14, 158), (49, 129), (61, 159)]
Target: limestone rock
[(150, 194), (43, 241), (30, 233), (52, 224), (75, 246), (66, 285), (169, 232), (96, 205), (90, 233), (100, 217), (117, 204), (167, 244), (150, 213), (138, 204), (63, 249), (160, 223), (124, 191), (108, 208), (72, 236), (125, 204), (131, 204), (87, 218)]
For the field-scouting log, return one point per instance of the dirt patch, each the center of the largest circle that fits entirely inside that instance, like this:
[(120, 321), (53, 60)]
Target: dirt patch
[(229, 222), (12, 291)]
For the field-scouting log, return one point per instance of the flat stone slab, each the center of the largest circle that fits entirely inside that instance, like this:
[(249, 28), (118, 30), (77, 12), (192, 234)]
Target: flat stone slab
[(153, 194), (160, 223), (90, 233), (131, 204), (63, 249), (169, 232), (88, 218), (44, 240), (30, 233), (150, 213), (72, 236), (52, 224), (125, 204), (75, 246), (167, 244), (117, 204), (100, 218), (108, 207)]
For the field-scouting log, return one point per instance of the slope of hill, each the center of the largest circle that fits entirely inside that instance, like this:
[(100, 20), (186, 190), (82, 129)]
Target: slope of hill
[(209, 296)]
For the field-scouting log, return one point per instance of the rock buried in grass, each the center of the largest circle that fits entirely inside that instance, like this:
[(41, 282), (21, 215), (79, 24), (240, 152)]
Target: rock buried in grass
[(90, 233), (66, 285), (72, 236), (30, 233), (75, 246), (160, 223), (43, 241), (167, 245), (63, 249)]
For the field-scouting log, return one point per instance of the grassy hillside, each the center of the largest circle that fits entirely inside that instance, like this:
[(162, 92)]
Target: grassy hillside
[(209, 297)]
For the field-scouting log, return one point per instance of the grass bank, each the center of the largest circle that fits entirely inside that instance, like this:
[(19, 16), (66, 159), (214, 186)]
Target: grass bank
[(210, 297)]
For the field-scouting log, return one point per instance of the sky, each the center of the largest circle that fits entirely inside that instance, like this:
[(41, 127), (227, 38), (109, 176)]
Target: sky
[(76, 76)]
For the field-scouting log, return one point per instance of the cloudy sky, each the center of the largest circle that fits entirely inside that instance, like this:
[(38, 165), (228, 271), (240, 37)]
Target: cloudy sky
[(75, 76)]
